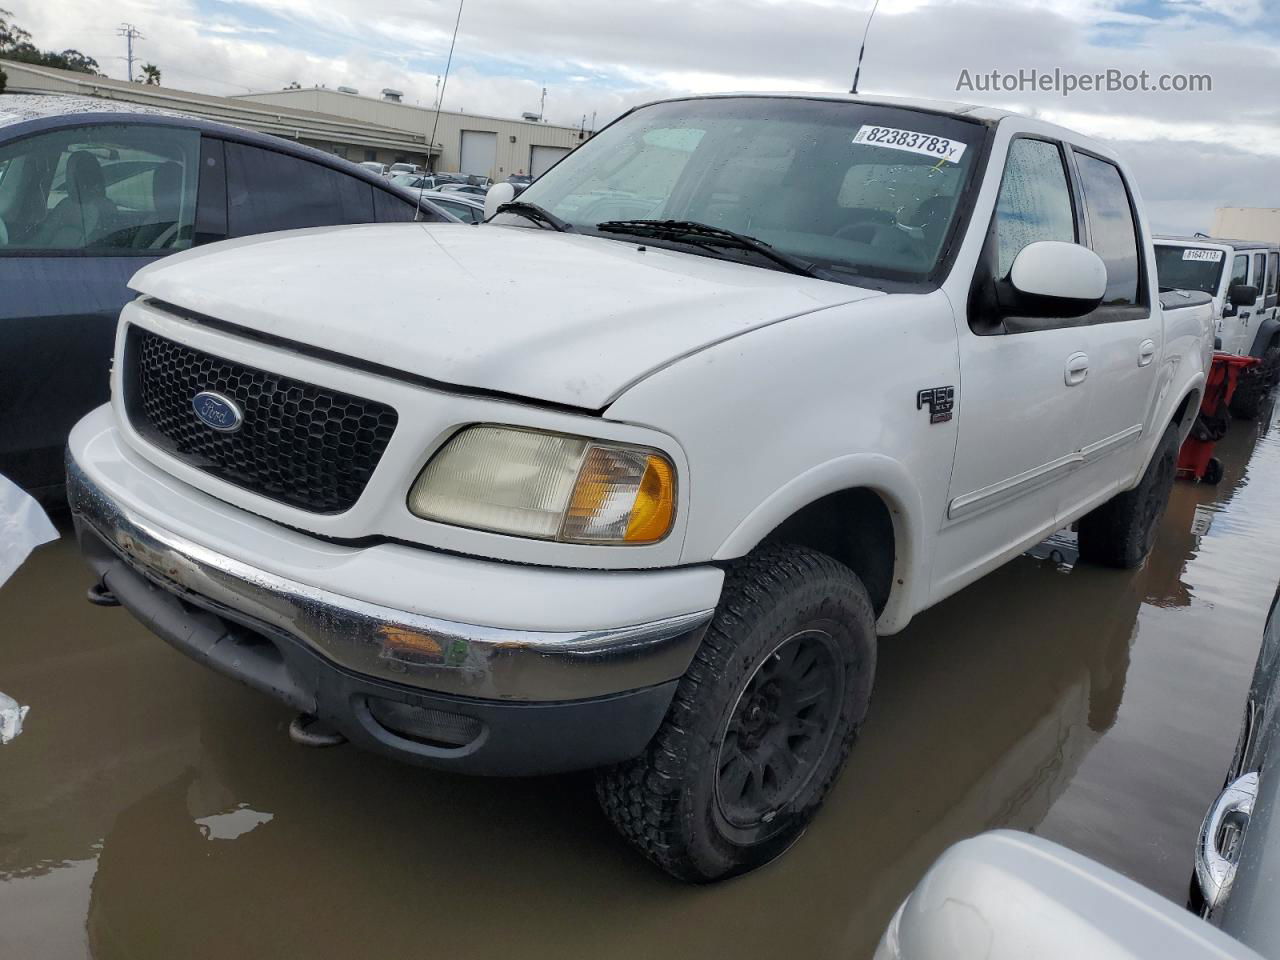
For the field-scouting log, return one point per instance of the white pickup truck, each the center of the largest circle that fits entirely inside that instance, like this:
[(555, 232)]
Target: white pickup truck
[(1241, 277), (634, 476)]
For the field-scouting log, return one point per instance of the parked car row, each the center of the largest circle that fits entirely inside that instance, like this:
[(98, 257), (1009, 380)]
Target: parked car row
[(91, 191), (734, 390)]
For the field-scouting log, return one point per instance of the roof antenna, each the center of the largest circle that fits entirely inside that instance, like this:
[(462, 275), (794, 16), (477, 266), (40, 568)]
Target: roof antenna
[(863, 49), (431, 143)]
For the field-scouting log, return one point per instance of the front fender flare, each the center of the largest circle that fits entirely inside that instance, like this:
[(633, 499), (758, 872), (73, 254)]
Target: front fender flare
[(884, 476)]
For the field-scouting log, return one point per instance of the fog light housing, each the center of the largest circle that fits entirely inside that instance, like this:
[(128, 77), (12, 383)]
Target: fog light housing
[(435, 728)]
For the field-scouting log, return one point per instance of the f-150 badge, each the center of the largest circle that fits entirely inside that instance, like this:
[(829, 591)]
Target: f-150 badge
[(939, 400)]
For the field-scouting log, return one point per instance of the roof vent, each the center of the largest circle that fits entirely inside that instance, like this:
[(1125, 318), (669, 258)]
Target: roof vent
[(531, 116), (395, 96), (348, 90)]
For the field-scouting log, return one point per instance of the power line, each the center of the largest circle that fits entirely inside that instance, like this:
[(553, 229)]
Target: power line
[(444, 83), (130, 34)]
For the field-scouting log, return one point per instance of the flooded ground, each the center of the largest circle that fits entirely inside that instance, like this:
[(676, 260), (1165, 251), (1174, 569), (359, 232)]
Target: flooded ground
[(154, 809)]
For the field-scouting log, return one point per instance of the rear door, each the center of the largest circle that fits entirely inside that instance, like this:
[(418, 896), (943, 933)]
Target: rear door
[(1124, 337), (1237, 320), (83, 207)]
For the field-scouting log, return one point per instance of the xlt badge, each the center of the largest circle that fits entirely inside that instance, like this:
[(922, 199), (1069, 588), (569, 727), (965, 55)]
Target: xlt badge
[(940, 401)]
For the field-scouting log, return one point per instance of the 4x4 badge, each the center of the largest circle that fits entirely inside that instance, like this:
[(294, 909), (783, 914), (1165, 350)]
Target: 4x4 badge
[(940, 401)]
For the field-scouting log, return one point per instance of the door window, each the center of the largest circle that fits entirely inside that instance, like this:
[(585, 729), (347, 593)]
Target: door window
[(1271, 273), (269, 191), (1260, 272), (1034, 202), (1111, 227), (111, 189), (1239, 269)]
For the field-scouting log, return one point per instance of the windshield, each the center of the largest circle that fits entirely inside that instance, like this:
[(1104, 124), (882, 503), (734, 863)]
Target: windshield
[(859, 188), (1189, 268)]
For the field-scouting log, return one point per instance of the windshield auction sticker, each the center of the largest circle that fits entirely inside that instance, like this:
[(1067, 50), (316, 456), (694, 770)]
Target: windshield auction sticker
[(1211, 256), (942, 148)]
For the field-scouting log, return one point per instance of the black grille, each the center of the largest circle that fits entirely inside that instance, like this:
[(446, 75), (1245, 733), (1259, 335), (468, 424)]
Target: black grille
[(301, 444)]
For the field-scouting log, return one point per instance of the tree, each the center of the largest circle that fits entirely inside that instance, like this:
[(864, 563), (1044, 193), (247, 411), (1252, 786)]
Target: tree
[(294, 85), (151, 74), (15, 44)]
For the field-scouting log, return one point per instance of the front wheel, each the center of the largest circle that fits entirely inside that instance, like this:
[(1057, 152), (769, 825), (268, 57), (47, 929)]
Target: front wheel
[(1122, 531), (760, 724)]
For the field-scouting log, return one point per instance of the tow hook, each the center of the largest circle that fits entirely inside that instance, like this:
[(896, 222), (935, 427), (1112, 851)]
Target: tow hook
[(100, 596), (309, 730)]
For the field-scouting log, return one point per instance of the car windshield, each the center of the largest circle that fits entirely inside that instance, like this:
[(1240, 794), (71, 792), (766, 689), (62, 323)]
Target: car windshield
[(1189, 268), (861, 189)]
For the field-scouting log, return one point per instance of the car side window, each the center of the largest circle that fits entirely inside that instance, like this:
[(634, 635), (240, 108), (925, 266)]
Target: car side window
[(1240, 269), (1260, 271), (111, 189), (1112, 230), (267, 191), (1034, 202), (1272, 265)]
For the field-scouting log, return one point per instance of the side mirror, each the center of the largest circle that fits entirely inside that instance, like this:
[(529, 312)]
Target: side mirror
[(1052, 278), (1242, 294), (498, 194)]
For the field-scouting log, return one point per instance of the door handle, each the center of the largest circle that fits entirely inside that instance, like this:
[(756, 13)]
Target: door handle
[(1146, 352), (1215, 867), (1077, 369)]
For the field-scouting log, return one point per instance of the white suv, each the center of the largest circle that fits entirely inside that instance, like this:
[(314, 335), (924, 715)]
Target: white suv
[(636, 476)]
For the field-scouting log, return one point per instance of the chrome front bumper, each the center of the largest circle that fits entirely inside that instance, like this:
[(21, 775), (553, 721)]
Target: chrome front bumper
[(379, 642)]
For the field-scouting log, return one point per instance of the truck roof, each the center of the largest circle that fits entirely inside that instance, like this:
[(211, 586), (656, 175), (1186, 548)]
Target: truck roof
[(953, 108), (1216, 241)]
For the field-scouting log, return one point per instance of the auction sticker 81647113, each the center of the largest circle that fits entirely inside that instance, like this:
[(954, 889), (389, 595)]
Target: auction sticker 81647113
[(942, 148)]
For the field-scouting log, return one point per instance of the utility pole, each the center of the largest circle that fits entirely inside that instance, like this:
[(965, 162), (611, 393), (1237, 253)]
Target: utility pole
[(130, 34), (542, 107)]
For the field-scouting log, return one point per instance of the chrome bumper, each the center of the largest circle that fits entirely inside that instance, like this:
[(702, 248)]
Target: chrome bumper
[(381, 642)]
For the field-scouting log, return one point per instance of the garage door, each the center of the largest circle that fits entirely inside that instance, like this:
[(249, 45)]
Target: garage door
[(479, 152), (542, 158)]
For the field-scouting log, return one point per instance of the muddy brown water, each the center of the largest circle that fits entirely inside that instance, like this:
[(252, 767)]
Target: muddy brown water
[(153, 809)]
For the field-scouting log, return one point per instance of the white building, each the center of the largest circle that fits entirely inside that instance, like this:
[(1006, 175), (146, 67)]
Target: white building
[(344, 123)]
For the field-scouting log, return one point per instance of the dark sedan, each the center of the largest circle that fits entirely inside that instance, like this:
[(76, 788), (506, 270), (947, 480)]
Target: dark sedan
[(93, 190)]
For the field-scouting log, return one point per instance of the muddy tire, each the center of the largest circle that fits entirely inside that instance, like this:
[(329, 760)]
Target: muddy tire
[(1247, 400), (760, 724), (1121, 532)]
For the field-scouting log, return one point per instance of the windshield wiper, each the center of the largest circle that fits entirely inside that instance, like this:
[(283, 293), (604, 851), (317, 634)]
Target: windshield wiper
[(531, 211), (703, 234)]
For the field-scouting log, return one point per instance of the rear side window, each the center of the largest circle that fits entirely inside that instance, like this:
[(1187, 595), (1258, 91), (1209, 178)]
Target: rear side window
[(1271, 273), (1260, 271), (1034, 202), (269, 191), (101, 189), (1111, 226)]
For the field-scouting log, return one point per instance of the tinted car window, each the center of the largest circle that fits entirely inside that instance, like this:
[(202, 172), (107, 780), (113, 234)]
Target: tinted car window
[(1111, 226), (110, 189), (1189, 268), (1034, 202), (269, 191), (388, 208), (1240, 269), (1260, 271)]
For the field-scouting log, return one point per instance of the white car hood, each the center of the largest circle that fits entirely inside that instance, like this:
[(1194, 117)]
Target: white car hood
[(561, 318)]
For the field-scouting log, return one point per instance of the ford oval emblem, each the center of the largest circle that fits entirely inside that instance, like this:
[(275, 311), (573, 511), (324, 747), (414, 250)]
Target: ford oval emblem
[(217, 411)]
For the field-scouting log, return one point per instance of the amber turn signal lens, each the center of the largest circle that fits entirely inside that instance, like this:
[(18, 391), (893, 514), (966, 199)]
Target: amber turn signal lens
[(655, 505)]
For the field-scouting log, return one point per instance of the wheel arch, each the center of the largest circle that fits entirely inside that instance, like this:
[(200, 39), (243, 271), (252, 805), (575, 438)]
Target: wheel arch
[(865, 511)]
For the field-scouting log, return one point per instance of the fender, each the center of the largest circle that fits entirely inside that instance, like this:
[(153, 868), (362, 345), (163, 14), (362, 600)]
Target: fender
[(1266, 330), (883, 475), (1164, 417)]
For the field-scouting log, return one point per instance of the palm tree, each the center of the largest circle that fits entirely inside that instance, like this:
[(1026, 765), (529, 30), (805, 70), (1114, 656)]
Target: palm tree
[(151, 74)]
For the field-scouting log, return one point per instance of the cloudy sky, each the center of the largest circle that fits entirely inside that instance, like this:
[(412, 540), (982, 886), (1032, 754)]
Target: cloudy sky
[(1192, 151)]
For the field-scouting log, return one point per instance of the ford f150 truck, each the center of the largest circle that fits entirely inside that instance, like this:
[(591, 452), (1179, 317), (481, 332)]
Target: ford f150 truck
[(1240, 276), (634, 476)]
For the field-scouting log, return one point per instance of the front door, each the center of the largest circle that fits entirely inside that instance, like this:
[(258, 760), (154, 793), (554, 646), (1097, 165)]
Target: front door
[(82, 208), (1024, 388)]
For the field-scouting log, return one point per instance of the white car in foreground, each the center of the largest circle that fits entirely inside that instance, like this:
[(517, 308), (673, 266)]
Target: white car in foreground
[(635, 476)]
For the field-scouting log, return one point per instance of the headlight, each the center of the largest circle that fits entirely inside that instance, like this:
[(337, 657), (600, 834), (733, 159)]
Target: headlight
[(549, 486)]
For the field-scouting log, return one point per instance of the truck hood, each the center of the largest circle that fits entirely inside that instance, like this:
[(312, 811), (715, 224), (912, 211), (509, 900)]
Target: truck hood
[(562, 318)]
